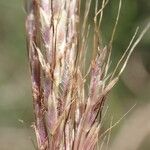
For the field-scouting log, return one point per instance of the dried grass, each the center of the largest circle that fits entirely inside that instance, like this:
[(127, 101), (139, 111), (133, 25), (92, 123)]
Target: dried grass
[(65, 116)]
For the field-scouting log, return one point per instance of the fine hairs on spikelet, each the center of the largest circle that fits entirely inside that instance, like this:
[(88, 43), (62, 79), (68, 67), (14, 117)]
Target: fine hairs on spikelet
[(67, 114)]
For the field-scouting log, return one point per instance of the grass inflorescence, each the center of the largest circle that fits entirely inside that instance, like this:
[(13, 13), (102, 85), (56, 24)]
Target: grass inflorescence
[(67, 107)]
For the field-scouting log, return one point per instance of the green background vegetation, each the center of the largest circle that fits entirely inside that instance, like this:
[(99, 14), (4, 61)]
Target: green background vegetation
[(133, 88)]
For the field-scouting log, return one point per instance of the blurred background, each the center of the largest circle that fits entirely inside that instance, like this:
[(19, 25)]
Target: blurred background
[(132, 133)]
